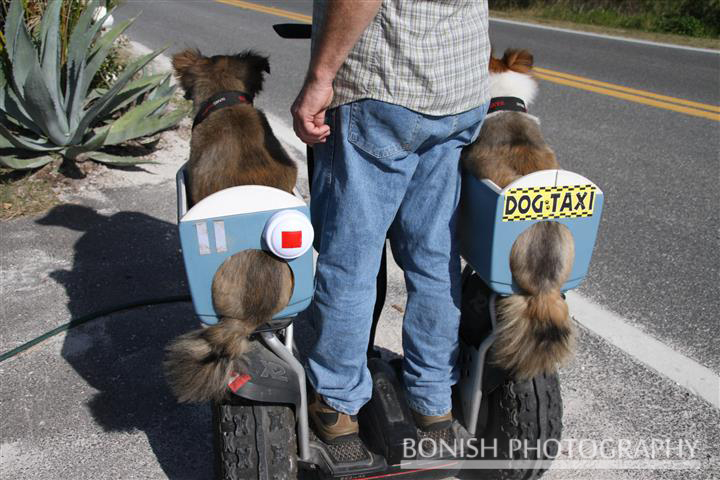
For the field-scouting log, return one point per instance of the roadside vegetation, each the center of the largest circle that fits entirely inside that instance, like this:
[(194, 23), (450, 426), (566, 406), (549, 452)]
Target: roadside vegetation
[(70, 94), (691, 18)]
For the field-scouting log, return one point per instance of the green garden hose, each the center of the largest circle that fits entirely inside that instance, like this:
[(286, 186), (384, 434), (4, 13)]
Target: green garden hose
[(90, 317)]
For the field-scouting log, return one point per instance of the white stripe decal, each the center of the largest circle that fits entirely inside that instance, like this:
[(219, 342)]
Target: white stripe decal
[(220, 241), (203, 238)]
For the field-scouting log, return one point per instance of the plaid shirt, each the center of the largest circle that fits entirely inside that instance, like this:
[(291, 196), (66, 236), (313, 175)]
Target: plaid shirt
[(430, 56)]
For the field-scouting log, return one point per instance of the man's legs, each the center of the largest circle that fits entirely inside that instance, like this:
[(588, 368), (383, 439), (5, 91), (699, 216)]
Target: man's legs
[(424, 242), (378, 157), (360, 177)]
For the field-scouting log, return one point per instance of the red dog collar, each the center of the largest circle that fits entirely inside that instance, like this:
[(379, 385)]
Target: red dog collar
[(512, 104), (218, 101)]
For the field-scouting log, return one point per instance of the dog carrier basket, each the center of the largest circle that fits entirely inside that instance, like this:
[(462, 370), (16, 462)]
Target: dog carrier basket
[(492, 218), (241, 218)]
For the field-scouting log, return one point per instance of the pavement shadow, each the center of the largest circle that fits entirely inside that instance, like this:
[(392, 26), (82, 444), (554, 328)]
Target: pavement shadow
[(122, 258)]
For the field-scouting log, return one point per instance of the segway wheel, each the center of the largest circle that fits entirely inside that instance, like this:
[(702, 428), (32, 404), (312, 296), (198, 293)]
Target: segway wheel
[(518, 414), (254, 441)]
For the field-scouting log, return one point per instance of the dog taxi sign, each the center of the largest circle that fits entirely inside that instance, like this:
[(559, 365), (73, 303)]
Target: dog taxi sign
[(536, 203), (491, 219)]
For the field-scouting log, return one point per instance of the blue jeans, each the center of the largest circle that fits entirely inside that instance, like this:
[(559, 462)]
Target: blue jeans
[(387, 170)]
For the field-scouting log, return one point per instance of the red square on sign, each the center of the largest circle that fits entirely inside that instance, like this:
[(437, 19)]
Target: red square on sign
[(291, 239)]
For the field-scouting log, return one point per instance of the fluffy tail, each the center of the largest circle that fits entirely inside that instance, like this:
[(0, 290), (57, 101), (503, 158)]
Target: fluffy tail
[(247, 290), (535, 334), (198, 364)]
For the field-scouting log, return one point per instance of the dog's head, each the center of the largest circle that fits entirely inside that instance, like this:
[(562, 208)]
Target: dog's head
[(511, 75), (513, 60), (202, 77)]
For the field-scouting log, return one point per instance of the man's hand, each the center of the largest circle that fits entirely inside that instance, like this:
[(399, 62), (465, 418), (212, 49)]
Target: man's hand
[(345, 21), (308, 111)]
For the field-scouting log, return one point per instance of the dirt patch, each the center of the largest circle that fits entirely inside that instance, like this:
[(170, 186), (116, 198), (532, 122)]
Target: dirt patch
[(25, 198), (23, 193)]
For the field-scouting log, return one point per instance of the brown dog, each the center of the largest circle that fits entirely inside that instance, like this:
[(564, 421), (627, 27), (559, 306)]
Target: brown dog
[(535, 332), (231, 145)]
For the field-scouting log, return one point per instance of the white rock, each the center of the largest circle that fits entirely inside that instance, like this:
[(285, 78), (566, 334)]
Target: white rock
[(99, 13)]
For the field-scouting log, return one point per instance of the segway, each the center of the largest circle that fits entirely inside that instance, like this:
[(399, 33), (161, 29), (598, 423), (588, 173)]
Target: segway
[(261, 430)]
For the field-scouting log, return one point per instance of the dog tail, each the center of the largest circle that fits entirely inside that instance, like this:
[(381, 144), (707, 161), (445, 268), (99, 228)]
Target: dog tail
[(535, 333), (198, 364), (248, 289)]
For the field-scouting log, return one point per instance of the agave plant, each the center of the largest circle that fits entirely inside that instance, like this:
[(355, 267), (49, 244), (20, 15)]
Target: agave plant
[(47, 107)]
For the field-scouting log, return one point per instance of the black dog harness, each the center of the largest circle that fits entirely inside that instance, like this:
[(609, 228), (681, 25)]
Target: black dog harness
[(218, 101), (511, 104)]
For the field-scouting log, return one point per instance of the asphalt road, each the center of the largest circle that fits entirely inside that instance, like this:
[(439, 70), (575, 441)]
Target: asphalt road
[(93, 403)]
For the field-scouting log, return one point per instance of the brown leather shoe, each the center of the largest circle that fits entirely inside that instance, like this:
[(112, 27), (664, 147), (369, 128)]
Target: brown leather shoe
[(445, 435), (432, 423), (330, 425)]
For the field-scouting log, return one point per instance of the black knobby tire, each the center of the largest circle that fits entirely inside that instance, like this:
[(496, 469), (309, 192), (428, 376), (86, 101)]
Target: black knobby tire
[(522, 411), (254, 441)]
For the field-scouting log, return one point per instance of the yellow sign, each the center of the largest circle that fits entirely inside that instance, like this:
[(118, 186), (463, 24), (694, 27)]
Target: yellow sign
[(533, 203)]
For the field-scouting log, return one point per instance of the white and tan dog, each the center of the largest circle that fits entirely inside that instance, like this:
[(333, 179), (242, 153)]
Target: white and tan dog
[(535, 332)]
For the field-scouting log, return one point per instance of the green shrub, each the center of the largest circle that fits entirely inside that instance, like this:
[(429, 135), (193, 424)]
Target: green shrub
[(680, 25), (699, 18), (47, 107)]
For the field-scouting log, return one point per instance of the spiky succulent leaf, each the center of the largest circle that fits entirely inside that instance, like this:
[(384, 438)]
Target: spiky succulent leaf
[(13, 21), (50, 51), (94, 61), (25, 143), (3, 80), (19, 162), (117, 160), (20, 48), (11, 111), (111, 35), (139, 122), (16, 114), (157, 123), (83, 33), (80, 39), (98, 106), (95, 93), (94, 141), (131, 92), (43, 110), (166, 88), (28, 80), (149, 142)]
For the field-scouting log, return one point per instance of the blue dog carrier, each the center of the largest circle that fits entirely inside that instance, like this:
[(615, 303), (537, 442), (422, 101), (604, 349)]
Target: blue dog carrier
[(241, 218), (492, 218)]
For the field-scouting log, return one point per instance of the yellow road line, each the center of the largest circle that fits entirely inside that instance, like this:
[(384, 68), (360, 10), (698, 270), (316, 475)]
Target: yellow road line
[(642, 93), (680, 105), (632, 98), (269, 10)]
